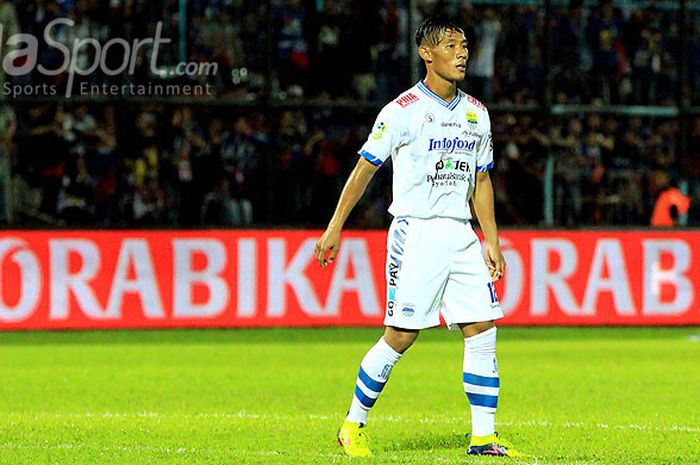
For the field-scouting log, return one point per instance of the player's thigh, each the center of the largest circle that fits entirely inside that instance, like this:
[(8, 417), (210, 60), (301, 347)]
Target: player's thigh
[(470, 295), (416, 273)]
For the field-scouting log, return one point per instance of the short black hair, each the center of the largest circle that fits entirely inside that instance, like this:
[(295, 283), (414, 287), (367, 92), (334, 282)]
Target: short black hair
[(432, 28)]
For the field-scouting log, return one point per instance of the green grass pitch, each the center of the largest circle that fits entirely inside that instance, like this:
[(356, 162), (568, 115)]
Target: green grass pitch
[(276, 396)]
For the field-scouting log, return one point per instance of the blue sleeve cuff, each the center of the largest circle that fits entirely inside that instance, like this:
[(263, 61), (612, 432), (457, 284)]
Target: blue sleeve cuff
[(370, 158), (482, 169)]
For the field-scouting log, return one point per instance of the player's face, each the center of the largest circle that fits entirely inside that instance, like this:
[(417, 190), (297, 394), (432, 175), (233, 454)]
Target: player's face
[(450, 55)]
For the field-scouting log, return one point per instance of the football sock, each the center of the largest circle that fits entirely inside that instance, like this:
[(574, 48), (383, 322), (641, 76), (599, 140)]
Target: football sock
[(373, 375), (481, 382)]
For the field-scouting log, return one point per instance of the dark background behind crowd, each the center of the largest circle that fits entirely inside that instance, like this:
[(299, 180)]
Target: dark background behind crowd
[(590, 105)]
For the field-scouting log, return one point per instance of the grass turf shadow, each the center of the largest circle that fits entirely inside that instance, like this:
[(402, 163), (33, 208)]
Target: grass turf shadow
[(429, 442)]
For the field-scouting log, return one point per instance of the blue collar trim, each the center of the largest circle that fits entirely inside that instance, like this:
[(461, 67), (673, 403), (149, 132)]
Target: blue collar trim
[(450, 105)]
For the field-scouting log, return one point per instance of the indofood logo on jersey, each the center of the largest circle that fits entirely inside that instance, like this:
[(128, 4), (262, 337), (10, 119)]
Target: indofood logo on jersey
[(451, 145)]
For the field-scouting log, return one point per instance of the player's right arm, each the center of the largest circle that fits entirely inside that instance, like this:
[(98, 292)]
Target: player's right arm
[(379, 146), (352, 192)]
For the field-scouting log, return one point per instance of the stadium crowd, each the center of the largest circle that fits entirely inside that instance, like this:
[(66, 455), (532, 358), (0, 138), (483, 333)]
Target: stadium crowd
[(181, 165), (597, 51), (186, 165)]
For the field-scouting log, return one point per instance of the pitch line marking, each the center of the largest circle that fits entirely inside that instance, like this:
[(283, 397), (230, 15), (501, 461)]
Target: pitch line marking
[(264, 453), (140, 448), (389, 419)]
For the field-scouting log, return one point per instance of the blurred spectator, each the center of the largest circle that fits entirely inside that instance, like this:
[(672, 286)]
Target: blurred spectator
[(8, 128), (10, 25), (482, 59), (219, 208), (149, 204), (571, 54), (691, 168), (527, 153), (187, 145), (693, 56), (570, 162), (240, 158), (291, 56), (43, 151), (290, 192), (604, 37), (329, 72), (75, 205), (390, 75), (596, 146)]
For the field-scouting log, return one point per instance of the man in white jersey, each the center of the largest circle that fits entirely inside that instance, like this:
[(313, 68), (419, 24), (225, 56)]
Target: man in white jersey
[(439, 140)]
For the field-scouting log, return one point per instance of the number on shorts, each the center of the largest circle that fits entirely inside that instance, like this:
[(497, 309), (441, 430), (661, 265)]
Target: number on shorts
[(492, 292)]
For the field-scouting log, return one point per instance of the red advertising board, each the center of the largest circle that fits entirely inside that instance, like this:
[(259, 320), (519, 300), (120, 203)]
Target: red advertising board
[(134, 279)]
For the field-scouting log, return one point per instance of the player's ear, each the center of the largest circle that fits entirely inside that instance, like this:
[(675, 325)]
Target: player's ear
[(425, 53)]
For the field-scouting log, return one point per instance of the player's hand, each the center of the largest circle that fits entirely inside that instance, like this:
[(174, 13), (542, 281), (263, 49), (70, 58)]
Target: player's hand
[(329, 241), (495, 261)]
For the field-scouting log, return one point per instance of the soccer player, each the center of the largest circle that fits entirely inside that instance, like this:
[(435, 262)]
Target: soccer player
[(439, 139)]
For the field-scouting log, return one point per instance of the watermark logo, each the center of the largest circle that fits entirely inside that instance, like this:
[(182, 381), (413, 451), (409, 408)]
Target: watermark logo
[(87, 56)]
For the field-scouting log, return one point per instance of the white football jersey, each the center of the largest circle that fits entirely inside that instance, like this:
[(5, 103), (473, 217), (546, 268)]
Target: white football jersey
[(436, 147)]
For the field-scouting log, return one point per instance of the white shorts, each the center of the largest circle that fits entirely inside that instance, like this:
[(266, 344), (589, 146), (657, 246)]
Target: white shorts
[(435, 266)]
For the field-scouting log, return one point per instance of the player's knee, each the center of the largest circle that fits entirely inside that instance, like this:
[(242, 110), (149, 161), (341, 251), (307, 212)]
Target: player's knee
[(472, 329), (400, 339)]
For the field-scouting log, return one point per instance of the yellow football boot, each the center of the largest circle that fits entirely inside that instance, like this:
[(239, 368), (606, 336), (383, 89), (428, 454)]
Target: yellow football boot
[(353, 438)]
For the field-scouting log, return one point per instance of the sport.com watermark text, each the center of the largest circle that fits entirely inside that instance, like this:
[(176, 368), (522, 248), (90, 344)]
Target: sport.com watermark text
[(76, 60)]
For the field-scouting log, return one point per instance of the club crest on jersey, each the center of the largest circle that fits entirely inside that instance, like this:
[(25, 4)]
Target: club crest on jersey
[(379, 131), (407, 99), (472, 118)]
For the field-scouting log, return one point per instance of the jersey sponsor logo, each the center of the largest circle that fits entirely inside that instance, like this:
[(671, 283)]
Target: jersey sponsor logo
[(393, 273), (450, 164), (391, 299), (407, 99), (379, 131), (429, 118), (446, 179), (451, 124), (451, 145), (475, 102), (449, 172), (398, 242)]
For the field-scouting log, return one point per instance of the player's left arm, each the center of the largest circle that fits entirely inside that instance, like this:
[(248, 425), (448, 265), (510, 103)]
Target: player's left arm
[(483, 203)]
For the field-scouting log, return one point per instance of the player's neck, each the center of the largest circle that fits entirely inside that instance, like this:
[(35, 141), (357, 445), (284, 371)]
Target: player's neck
[(442, 87)]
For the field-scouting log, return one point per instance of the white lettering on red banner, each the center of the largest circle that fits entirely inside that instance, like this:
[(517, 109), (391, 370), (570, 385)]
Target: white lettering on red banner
[(132, 279), (28, 280)]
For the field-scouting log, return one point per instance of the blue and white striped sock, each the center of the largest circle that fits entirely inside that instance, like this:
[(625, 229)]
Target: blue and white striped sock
[(373, 375), (481, 381)]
